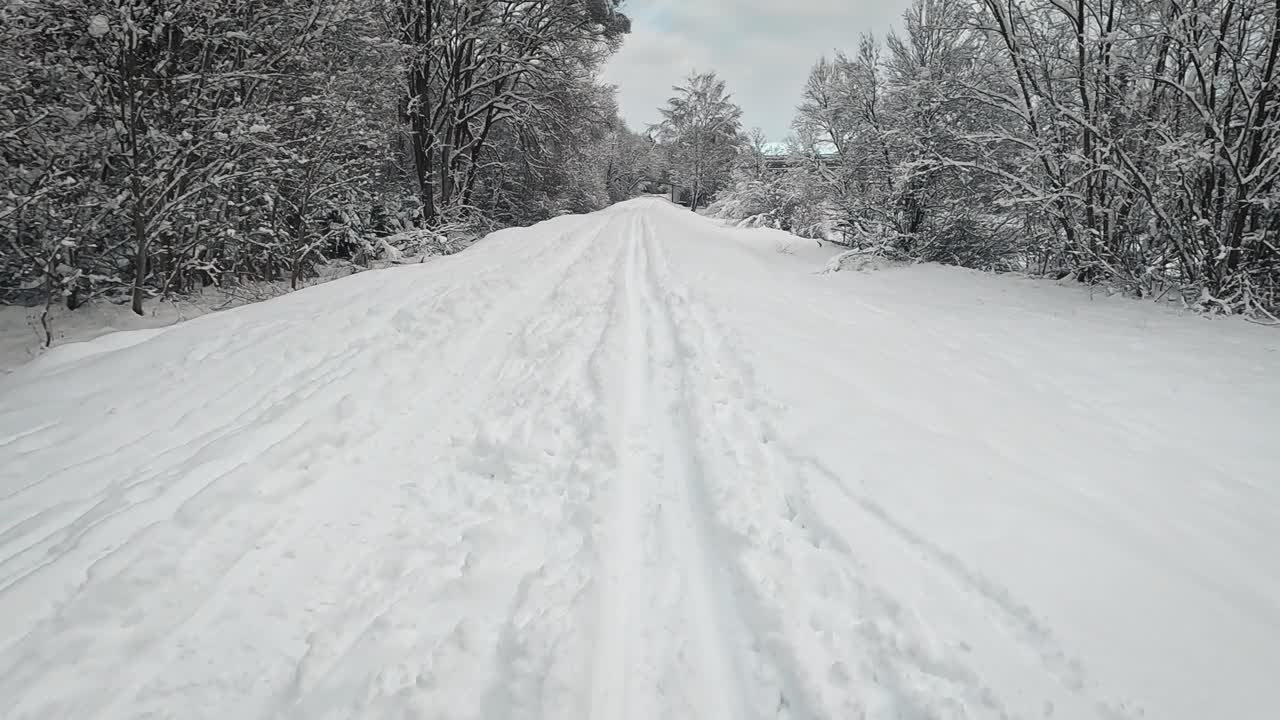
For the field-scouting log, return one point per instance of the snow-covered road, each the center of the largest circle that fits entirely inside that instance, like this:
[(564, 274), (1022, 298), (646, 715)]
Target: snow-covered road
[(636, 465)]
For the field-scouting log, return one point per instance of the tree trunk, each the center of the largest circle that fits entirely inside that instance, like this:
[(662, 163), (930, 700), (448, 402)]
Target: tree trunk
[(131, 119), (417, 29), (140, 244), (446, 174), (1261, 114)]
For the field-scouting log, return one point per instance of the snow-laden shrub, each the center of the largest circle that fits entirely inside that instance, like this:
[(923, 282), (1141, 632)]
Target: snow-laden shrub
[(783, 202), (860, 261)]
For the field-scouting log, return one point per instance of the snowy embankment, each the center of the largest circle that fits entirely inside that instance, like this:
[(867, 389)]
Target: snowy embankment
[(23, 337), (27, 333), (633, 464)]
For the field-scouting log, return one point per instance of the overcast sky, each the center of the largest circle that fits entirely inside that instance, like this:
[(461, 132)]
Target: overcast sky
[(763, 49)]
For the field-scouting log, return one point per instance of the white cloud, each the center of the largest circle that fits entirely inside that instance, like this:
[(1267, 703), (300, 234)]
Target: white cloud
[(762, 48)]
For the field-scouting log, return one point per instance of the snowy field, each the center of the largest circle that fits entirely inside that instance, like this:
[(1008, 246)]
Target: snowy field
[(637, 465)]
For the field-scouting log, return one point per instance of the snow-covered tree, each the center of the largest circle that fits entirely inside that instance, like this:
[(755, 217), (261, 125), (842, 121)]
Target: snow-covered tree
[(1117, 141), (701, 133), (480, 73), (1150, 136), (629, 160), (786, 193), (174, 134)]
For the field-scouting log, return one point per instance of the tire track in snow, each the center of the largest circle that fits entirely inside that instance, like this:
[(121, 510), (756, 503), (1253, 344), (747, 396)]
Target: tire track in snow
[(897, 636), (713, 625), (520, 450), (504, 371), (621, 574), (847, 649), (1034, 635), (806, 574), (745, 508), (669, 635), (234, 549), (544, 648)]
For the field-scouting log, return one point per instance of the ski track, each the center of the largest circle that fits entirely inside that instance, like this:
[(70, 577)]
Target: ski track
[(560, 475)]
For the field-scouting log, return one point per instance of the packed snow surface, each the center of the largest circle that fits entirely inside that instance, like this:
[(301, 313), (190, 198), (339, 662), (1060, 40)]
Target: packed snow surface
[(637, 465)]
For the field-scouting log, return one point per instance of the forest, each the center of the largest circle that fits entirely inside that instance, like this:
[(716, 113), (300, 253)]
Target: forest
[(151, 148), (1120, 142)]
